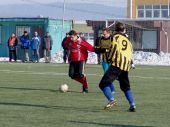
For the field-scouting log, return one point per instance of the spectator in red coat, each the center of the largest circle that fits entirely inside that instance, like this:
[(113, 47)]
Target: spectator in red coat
[(12, 44), (78, 54)]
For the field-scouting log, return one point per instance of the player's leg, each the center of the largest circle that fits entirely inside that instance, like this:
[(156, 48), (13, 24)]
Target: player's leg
[(76, 72), (81, 76), (106, 66), (71, 72), (125, 87), (110, 75)]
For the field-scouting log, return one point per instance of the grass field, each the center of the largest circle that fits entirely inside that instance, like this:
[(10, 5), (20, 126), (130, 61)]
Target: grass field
[(29, 97)]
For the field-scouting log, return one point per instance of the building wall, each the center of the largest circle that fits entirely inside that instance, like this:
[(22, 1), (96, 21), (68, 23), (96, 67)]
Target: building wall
[(165, 27), (135, 3), (164, 42), (129, 13)]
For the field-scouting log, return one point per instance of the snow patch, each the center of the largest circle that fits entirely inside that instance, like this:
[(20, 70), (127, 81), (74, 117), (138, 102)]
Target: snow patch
[(139, 57)]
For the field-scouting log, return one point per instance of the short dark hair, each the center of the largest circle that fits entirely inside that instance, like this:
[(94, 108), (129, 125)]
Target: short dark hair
[(72, 32), (25, 32), (120, 27), (106, 29)]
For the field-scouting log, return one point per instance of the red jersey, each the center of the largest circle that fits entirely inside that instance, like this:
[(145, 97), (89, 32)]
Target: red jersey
[(78, 51)]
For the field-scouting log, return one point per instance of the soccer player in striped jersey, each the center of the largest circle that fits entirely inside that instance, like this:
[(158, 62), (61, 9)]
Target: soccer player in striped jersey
[(104, 44), (120, 57)]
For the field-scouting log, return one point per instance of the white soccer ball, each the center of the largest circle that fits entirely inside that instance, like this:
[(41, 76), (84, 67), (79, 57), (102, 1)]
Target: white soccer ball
[(63, 88)]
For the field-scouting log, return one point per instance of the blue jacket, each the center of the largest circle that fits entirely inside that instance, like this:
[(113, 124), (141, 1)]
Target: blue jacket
[(25, 42), (35, 42)]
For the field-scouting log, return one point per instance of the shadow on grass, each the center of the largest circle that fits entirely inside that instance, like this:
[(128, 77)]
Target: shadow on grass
[(106, 125), (18, 88), (84, 109), (38, 89)]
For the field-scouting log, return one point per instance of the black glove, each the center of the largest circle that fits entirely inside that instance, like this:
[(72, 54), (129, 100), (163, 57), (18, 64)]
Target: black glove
[(99, 50)]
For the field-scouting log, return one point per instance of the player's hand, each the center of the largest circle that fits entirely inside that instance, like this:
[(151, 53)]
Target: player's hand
[(100, 50)]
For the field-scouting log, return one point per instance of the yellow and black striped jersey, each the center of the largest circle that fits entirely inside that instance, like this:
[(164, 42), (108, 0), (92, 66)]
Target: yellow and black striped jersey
[(121, 52), (105, 43)]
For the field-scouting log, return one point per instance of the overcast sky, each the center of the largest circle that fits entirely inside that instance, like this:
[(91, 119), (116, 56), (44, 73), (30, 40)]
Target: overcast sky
[(120, 3)]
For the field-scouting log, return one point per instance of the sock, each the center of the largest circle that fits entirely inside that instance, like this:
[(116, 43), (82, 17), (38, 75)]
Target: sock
[(129, 97), (108, 93), (112, 87), (83, 81)]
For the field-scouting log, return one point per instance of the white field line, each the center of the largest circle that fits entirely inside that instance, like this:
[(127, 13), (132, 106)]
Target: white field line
[(65, 74)]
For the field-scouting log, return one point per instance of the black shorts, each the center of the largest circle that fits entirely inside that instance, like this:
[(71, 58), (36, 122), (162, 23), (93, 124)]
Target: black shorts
[(115, 73), (76, 69)]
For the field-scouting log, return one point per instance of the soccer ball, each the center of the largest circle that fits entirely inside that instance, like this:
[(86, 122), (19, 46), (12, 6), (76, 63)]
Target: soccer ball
[(63, 88)]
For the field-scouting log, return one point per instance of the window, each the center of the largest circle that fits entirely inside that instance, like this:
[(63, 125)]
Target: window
[(20, 30), (141, 13), (156, 13), (164, 6), (156, 6), (153, 11), (148, 13), (148, 6), (151, 41), (164, 13)]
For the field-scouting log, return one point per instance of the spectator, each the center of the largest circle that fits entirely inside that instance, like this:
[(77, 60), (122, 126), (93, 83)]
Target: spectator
[(65, 52), (47, 47), (12, 45), (35, 45), (25, 42)]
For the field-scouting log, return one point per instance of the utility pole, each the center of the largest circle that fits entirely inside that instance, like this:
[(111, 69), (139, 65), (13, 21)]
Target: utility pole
[(167, 43), (64, 6), (168, 9), (131, 9)]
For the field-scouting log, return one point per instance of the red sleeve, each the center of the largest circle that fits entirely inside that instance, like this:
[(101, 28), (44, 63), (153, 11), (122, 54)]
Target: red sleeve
[(88, 46)]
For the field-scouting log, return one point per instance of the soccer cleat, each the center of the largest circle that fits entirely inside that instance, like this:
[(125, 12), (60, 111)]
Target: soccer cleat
[(132, 108), (85, 90), (110, 105)]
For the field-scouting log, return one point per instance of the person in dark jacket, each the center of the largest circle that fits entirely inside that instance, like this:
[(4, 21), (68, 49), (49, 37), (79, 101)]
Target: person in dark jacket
[(35, 45), (47, 47), (12, 45), (25, 42), (65, 49)]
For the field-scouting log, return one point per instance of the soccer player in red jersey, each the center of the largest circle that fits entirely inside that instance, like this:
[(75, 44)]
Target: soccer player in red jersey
[(78, 54)]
